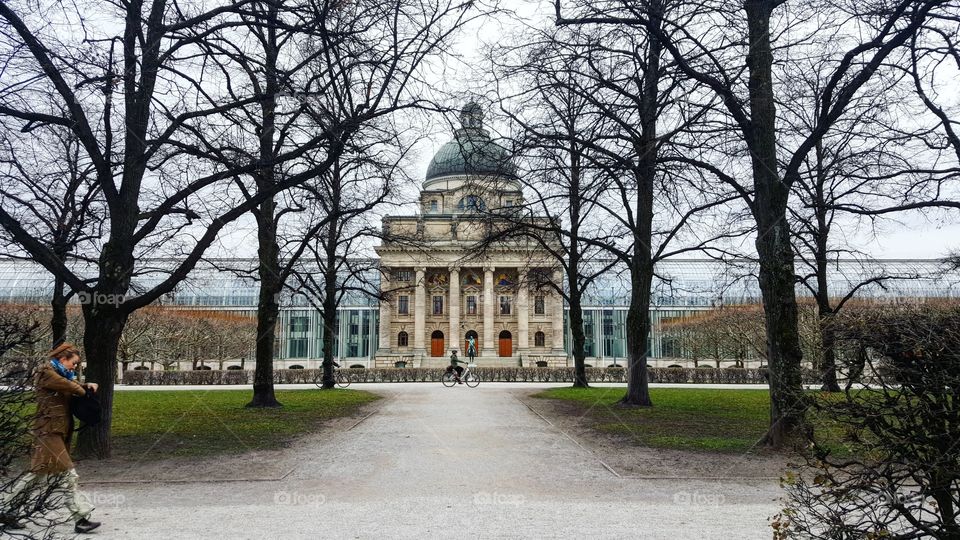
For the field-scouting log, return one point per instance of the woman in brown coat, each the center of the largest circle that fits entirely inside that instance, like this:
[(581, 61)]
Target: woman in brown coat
[(55, 383)]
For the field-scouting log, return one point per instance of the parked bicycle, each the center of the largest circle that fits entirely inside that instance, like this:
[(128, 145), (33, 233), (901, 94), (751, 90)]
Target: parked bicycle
[(467, 377), (341, 379)]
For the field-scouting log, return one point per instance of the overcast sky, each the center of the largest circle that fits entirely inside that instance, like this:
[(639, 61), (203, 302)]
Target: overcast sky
[(911, 235)]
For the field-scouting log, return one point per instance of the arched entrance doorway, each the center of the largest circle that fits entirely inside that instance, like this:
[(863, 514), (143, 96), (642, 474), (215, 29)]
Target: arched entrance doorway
[(506, 343), (471, 335), (436, 343)]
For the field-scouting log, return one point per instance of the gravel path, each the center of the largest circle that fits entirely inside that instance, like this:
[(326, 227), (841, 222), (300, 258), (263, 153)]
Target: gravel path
[(436, 462)]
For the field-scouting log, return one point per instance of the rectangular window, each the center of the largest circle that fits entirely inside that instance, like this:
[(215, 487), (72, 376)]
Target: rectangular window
[(438, 305), (538, 308), (403, 275), (299, 324), (434, 207), (403, 305), (298, 347), (471, 305), (505, 305)]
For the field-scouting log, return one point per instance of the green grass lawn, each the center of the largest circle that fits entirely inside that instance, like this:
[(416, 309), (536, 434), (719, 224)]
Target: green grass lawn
[(206, 422), (683, 418)]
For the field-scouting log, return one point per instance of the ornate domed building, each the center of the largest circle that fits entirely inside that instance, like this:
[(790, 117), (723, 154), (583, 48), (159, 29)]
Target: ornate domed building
[(446, 290)]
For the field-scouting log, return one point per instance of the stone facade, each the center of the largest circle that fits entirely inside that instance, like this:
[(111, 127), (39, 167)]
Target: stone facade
[(442, 286)]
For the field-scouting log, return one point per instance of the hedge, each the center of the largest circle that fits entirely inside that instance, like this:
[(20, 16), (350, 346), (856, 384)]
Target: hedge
[(488, 374)]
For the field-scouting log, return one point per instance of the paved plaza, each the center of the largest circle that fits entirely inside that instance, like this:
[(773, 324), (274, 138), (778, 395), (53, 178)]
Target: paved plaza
[(429, 461)]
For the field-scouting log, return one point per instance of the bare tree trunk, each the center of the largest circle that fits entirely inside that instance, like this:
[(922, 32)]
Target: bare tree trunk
[(330, 299), (268, 308), (774, 250), (579, 338), (58, 316), (271, 280), (829, 344), (638, 332), (101, 340), (825, 312), (573, 274), (641, 263), (329, 324)]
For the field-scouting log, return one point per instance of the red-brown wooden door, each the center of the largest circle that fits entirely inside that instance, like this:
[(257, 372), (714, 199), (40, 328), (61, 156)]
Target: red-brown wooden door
[(436, 343), (506, 344)]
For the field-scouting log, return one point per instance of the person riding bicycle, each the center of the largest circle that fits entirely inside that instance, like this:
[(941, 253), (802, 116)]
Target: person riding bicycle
[(454, 368)]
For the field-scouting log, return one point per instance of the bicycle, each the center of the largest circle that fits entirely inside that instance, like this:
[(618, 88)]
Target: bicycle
[(342, 380), (468, 377)]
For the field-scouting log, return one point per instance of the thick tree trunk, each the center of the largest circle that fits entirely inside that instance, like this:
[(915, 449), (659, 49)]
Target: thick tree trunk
[(271, 281), (330, 301), (579, 338), (787, 401), (638, 332), (641, 263), (575, 295), (774, 249), (101, 340), (330, 289), (329, 334), (268, 308)]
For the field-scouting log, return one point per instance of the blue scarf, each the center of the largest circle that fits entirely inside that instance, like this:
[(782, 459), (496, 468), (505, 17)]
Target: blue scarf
[(67, 374)]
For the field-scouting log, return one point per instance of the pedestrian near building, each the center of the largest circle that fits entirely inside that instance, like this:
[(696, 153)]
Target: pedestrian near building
[(50, 464)]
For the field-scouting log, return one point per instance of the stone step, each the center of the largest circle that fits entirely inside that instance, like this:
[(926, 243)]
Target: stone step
[(481, 361)]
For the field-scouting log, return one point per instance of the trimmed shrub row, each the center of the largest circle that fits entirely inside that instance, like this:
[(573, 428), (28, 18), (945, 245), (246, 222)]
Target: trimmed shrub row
[(489, 374)]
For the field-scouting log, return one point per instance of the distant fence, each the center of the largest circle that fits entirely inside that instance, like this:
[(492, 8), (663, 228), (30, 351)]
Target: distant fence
[(489, 374)]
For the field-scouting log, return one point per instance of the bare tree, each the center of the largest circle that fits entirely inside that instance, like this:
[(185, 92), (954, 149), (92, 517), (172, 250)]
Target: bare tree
[(313, 65), (739, 70), (856, 161), (172, 105), (552, 118), (635, 95), (344, 200), (52, 184)]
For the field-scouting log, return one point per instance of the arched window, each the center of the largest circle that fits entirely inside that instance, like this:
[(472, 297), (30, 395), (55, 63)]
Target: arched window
[(539, 340), (471, 203), (403, 339)]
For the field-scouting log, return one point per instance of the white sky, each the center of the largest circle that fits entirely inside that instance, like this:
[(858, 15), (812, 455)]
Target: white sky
[(910, 236)]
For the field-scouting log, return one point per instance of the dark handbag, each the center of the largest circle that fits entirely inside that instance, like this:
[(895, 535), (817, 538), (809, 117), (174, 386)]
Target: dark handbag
[(86, 408)]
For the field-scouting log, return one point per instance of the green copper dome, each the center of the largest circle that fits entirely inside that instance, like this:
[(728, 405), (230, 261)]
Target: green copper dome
[(472, 151)]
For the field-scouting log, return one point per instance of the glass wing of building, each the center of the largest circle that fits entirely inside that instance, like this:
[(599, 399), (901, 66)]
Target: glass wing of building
[(681, 288)]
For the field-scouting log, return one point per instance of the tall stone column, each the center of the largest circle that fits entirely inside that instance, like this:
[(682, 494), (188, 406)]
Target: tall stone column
[(488, 305), (523, 314), (420, 312), (454, 305), (558, 326), (385, 335)]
